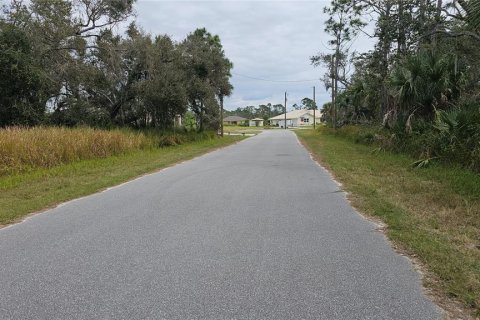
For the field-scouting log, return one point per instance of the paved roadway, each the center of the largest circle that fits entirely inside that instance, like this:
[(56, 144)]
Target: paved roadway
[(253, 231)]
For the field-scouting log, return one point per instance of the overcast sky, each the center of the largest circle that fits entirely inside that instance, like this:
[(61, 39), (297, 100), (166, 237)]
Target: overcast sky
[(264, 39)]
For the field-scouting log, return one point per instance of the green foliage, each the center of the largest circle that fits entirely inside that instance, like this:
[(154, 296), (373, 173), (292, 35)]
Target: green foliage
[(452, 138), (179, 138), (163, 92), (343, 22), (412, 87), (308, 104), (65, 66), (263, 111), (189, 122), (207, 71), (426, 81), (472, 8), (20, 79)]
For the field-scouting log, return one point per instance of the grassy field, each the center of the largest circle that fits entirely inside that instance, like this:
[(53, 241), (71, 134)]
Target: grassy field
[(37, 189), (26, 148), (431, 213)]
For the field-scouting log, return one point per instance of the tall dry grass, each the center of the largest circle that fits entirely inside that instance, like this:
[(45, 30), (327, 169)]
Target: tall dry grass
[(25, 148)]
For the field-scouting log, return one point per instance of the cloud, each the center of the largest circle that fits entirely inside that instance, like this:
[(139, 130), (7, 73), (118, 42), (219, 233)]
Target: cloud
[(264, 39)]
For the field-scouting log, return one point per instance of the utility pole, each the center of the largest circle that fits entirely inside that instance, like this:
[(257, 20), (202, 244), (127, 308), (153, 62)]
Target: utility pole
[(314, 107), (285, 124), (221, 115)]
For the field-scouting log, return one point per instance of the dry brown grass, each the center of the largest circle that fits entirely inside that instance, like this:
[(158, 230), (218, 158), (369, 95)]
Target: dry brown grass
[(25, 148)]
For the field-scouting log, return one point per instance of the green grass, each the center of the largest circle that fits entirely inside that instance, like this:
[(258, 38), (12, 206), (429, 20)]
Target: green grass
[(432, 213), (24, 193)]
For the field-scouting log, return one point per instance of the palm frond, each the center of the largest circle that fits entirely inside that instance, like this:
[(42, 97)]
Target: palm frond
[(473, 13)]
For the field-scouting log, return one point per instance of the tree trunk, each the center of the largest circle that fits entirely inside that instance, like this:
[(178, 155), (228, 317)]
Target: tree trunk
[(385, 45), (201, 117), (337, 53), (438, 16), (402, 47), (332, 77), (221, 115)]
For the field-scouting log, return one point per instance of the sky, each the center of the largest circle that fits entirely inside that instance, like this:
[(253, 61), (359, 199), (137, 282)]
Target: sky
[(271, 40)]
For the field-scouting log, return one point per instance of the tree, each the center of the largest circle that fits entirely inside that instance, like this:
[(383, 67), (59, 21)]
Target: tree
[(65, 65), (425, 82), (308, 104), (163, 90), (21, 85), (208, 72), (343, 25), (62, 35)]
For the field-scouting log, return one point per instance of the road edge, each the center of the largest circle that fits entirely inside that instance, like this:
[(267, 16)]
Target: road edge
[(33, 214), (449, 309)]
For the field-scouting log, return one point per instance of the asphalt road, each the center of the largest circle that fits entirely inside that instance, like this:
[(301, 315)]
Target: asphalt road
[(256, 230)]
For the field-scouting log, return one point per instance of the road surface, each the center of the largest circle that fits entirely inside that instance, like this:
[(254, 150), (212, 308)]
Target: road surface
[(256, 230)]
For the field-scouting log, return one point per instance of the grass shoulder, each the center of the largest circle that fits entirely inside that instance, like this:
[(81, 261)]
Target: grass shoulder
[(27, 192), (431, 213)]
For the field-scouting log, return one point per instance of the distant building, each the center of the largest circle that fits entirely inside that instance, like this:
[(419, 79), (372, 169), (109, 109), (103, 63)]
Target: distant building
[(235, 120), (257, 122), (296, 118)]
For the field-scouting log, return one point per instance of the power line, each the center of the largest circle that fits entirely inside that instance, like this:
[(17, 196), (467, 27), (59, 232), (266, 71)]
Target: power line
[(269, 80)]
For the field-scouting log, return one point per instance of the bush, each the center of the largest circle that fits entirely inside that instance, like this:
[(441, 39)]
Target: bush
[(357, 133), (174, 139), (170, 140), (453, 137)]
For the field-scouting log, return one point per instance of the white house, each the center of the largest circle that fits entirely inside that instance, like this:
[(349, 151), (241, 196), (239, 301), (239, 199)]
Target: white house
[(257, 122), (296, 118)]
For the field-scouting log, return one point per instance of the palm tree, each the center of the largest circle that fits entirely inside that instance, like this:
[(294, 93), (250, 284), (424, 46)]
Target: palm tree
[(424, 83)]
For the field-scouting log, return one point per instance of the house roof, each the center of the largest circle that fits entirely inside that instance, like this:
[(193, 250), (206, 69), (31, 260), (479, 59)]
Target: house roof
[(295, 114), (256, 119), (234, 118)]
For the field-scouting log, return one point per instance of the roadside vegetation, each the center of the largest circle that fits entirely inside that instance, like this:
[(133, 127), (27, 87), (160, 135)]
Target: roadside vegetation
[(84, 106), (431, 213), (23, 148), (418, 89), (39, 179), (403, 128)]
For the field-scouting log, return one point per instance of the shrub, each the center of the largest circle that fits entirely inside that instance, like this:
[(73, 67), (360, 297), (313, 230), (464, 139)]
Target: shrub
[(453, 137)]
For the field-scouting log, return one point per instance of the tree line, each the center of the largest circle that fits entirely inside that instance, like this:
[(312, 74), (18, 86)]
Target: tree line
[(424, 58), (420, 81), (267, 111), (63, 64), (263, 111)]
